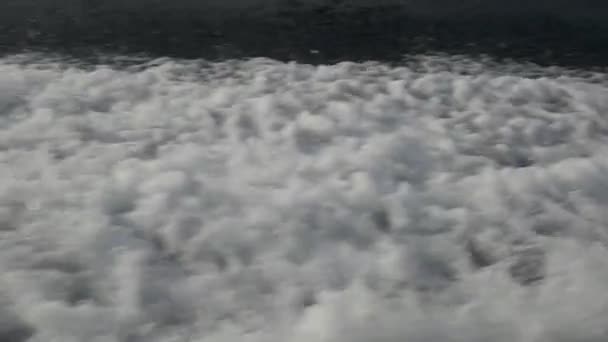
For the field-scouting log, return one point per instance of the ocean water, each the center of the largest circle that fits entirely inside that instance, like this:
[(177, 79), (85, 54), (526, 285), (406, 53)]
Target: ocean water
[(571, 32), (303, 172)]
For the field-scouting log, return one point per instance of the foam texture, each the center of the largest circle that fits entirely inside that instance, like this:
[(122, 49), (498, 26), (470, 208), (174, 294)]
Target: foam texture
[(448, 200)]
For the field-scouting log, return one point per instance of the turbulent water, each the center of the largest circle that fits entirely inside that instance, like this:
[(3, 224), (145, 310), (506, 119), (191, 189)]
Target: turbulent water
[(288, 190)]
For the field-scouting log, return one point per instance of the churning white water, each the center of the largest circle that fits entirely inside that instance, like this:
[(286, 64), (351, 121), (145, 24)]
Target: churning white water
[(448, 200)]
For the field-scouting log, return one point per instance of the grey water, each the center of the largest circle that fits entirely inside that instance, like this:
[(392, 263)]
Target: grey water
[(562, 32)]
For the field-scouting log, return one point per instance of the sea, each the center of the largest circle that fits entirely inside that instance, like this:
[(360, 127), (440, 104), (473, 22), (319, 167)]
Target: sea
[(303, 171)]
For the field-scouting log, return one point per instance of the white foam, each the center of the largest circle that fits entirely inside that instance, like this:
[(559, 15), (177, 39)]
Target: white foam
[(263, 201)]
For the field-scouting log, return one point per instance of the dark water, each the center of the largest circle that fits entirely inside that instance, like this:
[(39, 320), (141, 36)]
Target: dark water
[(559, 32)]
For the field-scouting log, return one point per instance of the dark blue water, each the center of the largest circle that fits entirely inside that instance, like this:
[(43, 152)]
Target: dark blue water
[(563, 32)]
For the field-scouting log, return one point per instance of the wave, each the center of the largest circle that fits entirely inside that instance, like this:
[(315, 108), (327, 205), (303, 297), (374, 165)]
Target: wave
[(265, 201), (313, 31)]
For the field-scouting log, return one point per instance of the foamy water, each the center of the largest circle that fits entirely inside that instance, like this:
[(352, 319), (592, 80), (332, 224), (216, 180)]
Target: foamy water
[(254, 200)]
